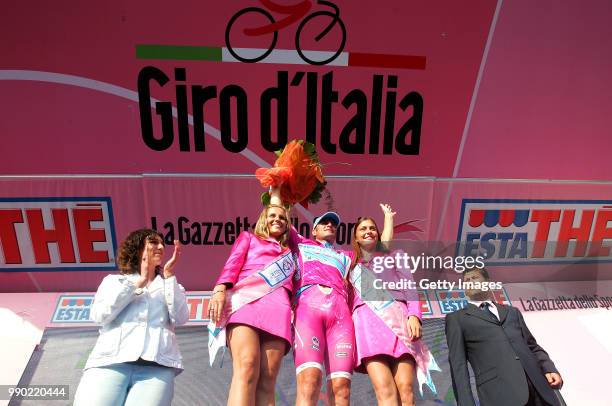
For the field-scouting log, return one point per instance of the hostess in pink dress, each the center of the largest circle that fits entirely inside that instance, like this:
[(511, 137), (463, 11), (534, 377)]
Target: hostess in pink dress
[(372, 336), (271, 313)]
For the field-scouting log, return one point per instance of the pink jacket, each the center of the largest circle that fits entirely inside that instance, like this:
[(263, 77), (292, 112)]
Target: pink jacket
[(250, 254)]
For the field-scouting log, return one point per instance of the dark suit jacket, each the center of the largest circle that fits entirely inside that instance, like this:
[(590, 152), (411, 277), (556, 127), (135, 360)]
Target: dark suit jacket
[(500, 352)]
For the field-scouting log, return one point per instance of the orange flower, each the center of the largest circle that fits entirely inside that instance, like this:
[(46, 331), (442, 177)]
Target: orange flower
[(295, 170)]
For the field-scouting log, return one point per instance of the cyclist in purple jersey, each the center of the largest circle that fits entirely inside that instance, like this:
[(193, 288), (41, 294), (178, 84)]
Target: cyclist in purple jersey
[(324, 334)]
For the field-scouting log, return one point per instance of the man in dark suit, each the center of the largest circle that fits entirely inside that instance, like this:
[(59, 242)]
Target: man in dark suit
[(510, 368)]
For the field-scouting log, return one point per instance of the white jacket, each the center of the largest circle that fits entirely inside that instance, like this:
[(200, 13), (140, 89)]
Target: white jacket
[(138, 325)]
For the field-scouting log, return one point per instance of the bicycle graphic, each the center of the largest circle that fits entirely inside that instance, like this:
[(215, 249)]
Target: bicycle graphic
[(293, 14)]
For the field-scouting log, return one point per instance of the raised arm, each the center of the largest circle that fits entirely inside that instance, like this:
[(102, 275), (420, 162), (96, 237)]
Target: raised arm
[(275, 197), (387, 233)]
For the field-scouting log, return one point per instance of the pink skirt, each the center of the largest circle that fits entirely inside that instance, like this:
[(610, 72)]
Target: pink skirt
[(270, 313), (373, 337)]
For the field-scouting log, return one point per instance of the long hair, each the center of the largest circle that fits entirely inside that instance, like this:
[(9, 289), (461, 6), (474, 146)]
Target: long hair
[(130, 250), (356, 247), (261, 227)]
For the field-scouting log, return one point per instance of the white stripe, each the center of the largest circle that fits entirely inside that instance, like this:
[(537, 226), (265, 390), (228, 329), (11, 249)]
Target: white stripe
[(339, 374), (103, 87), (468, 120), (286, 56), (307, 365)]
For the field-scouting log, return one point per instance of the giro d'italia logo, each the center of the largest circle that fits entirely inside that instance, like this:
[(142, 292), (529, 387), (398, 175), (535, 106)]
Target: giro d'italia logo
[(252, 33)]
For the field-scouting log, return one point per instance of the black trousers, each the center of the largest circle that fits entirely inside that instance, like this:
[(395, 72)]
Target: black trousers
[(534, 397)]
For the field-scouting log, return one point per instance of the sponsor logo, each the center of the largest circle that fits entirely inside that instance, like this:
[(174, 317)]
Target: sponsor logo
[(387, 108), (76, 308), (456, 299), (521, 232), (73, 309), (316, 24), (315, 343), (67, 233), (343, 350), (334, 104), (211, 232)]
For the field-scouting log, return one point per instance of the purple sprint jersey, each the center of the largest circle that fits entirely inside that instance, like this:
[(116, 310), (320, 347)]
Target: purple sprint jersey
[(321, 264)]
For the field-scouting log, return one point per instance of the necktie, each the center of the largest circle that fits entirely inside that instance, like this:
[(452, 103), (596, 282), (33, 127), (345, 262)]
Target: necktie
[(485, 307)]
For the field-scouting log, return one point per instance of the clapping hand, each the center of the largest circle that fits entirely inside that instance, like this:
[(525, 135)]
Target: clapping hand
[(146, 266), (169, 266)]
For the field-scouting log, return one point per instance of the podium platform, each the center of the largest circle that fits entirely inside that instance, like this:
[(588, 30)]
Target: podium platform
[(62, 353)]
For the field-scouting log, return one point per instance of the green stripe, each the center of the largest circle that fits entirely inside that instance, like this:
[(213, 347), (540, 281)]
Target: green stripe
[(182, 52)]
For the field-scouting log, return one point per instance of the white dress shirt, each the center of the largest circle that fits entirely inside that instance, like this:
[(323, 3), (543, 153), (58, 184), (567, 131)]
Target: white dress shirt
[(492, 306), (138, 323)]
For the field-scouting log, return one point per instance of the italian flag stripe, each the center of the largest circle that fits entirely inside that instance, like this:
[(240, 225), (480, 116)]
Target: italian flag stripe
[(178, 52), (279, 56)]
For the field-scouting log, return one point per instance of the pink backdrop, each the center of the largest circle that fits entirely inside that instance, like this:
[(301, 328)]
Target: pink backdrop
[(510, 90), (497, 102), (89, 121)]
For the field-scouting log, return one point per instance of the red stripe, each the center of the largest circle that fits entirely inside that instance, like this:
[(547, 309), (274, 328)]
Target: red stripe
[(387, 61), (476, 218), (506, 217)]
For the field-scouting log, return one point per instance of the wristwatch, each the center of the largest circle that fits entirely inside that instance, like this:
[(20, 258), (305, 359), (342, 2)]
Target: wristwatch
[(139, 291)]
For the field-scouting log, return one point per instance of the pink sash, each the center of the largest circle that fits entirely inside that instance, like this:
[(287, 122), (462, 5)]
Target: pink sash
[(393, 315)]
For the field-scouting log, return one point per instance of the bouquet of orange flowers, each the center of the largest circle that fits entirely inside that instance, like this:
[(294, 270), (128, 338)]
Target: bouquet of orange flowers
[(298, 170)]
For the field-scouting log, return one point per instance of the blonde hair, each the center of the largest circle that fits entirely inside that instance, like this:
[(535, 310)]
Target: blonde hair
[(261, 227)]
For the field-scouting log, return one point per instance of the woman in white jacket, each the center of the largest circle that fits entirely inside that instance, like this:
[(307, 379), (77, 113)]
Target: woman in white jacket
[(136, 357)]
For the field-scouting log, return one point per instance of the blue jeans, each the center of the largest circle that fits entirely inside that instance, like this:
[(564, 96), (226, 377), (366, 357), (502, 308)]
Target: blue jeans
[(126, 384)]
